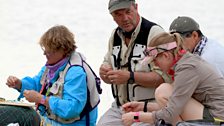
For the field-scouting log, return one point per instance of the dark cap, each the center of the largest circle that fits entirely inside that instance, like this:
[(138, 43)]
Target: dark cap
[(184, 24), (119, 4)]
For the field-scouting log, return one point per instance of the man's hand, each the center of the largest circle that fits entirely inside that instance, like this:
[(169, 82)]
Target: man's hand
[(104, 69), (118, 76), (133, 106)]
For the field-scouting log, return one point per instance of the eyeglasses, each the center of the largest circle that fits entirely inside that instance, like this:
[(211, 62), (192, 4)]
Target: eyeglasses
[(48, 53)]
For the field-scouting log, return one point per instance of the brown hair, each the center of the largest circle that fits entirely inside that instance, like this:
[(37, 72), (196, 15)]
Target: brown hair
[(57, 38), (165, 37)]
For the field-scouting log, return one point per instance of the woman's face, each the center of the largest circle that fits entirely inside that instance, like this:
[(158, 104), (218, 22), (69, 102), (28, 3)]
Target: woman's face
[(164, 61), (54, 56)]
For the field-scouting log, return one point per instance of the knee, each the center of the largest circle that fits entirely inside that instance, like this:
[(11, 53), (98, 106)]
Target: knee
[(163, 92), (160, 91)]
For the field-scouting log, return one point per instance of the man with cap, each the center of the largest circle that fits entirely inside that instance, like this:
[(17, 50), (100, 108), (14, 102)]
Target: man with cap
[(197, 43), (122, 66)]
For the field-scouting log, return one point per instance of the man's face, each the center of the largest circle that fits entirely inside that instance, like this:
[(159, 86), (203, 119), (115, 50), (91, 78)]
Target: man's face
[(127, 19), (190, 40)]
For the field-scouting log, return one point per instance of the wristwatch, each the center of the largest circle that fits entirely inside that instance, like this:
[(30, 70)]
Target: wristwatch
[(43, 100), (131, 80), (136, 117)]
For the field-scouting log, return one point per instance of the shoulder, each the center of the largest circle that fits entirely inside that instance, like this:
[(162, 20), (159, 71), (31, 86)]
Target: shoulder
[(213, 50), (211, 43), (155, 30), (76, 71), (188, 61)]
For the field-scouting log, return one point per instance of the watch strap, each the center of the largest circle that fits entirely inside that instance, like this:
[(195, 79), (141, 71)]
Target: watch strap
[(145, 106), (131, 80)]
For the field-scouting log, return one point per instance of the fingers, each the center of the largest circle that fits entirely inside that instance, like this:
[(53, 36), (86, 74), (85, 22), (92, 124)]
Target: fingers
[(127, 107), (26, 93), (32, 96), (11, 81)]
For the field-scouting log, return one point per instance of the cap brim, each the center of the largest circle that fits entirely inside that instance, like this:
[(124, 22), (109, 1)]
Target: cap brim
[(121, 5)]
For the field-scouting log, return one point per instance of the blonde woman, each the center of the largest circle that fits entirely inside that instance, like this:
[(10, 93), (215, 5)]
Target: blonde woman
[(196, 92)]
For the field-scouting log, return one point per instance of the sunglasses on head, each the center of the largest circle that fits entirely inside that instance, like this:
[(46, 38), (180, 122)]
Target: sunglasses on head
[(154, 51)]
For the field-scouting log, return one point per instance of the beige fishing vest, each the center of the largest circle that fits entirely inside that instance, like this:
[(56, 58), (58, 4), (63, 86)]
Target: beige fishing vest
[(77, 60)]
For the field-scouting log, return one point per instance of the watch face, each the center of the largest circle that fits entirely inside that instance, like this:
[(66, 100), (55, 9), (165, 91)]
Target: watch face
[(135, 117)]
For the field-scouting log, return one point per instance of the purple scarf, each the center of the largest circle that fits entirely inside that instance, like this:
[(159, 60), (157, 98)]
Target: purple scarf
[(55, 67)]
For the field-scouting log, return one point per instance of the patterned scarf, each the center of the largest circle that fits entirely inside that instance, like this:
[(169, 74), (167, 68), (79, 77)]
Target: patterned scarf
[(200, 46)]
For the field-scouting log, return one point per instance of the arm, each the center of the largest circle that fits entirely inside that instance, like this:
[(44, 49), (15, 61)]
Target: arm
[(135, 106), (106, 65), (185, 84), (146, 79), (128, 118), (183, 90), (27, 83), (74, 95)]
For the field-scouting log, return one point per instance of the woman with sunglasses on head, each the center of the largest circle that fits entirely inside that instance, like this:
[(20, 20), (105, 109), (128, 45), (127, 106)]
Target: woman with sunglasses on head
[(196, 91)]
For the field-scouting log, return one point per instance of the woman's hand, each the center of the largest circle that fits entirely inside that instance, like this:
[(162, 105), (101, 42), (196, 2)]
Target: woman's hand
[(133, 106), (128, 118), (14, 82), (32, 96)]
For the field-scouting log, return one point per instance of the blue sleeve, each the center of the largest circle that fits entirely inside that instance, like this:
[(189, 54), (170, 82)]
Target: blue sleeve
[(31, 83), (74, 94)]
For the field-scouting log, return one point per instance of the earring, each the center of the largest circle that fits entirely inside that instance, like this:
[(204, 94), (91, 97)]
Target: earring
[(182, 51)]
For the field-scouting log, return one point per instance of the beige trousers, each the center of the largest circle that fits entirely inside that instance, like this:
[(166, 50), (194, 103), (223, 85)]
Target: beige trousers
[(113, 118)]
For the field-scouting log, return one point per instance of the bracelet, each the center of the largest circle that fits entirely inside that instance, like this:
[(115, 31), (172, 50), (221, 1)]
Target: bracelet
[(145, 106), (136, 117)]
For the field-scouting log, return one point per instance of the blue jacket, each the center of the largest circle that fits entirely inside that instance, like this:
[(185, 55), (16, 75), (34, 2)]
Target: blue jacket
[(74, 96)]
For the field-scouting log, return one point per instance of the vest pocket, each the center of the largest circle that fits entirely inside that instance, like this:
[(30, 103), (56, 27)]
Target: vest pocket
[(141, 93)]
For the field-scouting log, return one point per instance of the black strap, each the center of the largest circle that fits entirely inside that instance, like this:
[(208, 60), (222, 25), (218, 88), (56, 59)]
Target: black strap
[(87, 119), (145, 106), (86, 110)]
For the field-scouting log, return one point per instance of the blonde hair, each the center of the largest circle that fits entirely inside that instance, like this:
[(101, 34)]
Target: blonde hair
[(165, 37), (57, 38)]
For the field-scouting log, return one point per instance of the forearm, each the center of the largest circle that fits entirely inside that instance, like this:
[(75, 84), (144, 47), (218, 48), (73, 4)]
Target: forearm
[(148, 79), (153, 106), (146, 117), (73, 107)]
